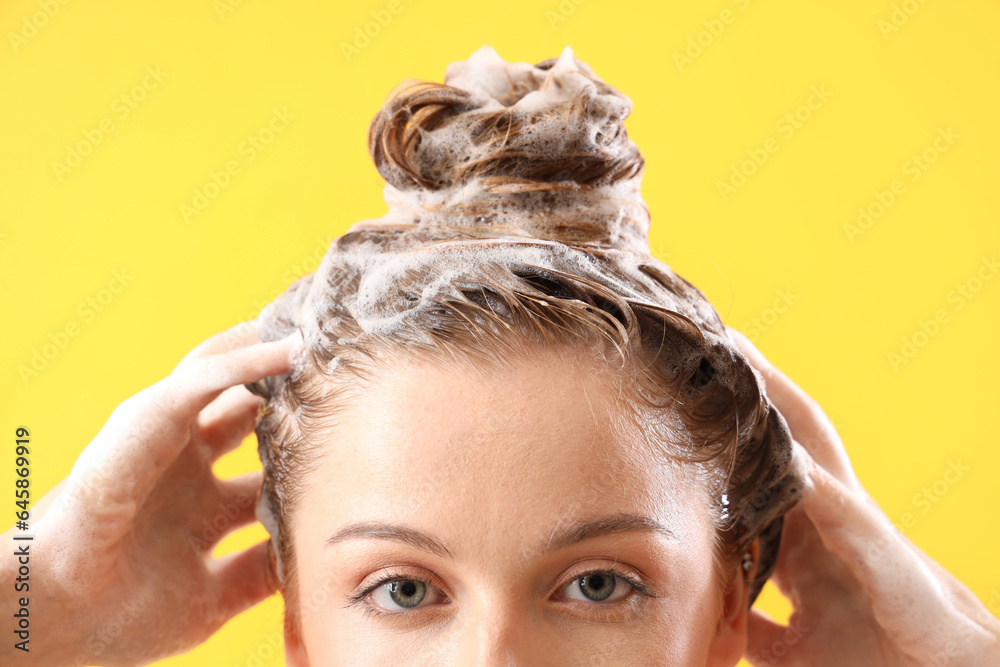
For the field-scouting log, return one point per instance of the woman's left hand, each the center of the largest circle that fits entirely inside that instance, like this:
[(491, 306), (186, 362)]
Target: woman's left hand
[(862, 593)]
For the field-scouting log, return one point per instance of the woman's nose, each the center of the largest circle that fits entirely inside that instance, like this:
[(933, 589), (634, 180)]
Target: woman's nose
[(497, 633)]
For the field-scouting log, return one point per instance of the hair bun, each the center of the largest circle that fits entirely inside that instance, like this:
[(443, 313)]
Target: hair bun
[(512, 149)]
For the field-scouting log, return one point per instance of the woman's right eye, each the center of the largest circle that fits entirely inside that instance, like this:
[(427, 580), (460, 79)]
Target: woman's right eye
[(405, 594)]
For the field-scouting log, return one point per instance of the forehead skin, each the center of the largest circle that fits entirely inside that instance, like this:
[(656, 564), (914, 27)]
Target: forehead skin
[(492, 467)]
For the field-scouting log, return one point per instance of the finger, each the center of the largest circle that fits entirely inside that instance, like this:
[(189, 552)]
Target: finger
[(201, 380), (146, 432), (794, 542), (227, 420), (763, 634), (229, 507), (242, 579), (237, 503), (809, 424), (236, 336), (242, 490), (800, 551), (906, 598)]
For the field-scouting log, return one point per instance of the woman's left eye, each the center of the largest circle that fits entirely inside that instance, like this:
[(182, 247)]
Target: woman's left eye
[(598, 587), (404, 594)]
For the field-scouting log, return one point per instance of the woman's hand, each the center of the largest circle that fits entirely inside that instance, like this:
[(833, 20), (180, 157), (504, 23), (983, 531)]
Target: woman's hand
[(121, 565), (862, 592)]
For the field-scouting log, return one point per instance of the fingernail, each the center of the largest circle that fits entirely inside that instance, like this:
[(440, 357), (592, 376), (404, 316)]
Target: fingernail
[(298, 348), (272, 580)]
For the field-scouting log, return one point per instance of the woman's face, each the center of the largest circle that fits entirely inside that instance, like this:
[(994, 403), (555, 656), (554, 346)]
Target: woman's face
[(455, 520)]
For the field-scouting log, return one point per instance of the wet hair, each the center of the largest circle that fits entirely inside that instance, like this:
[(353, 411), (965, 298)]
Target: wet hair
[(515, 226)]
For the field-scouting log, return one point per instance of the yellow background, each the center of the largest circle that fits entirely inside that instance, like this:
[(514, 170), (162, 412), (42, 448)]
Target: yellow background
[(848, 302)]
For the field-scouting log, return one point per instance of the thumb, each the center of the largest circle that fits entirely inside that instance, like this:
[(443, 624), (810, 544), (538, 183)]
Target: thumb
[(242, 579)]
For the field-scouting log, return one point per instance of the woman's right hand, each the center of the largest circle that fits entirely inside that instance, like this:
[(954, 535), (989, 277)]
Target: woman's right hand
[(121, 571), (862, 592)]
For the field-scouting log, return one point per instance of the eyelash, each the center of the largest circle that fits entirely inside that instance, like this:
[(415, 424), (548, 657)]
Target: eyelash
[(637, 584), (370, 610)]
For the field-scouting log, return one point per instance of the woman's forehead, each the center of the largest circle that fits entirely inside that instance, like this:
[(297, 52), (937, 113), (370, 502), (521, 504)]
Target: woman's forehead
[(546, 410), (534, 447)]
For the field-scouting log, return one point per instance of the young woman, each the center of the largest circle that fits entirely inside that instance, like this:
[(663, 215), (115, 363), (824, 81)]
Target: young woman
[(494, 431)]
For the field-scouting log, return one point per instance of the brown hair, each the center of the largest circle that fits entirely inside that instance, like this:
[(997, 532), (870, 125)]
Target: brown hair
[(504, 248)]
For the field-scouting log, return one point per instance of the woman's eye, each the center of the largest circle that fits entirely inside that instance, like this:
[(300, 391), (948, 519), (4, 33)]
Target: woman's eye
[(402, 594), (597, 587)]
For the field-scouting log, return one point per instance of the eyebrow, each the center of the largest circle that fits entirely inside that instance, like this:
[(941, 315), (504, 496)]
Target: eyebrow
[(612, 525), (559, 538), (373, 530)]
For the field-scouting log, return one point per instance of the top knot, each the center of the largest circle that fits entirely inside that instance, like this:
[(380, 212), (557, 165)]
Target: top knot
[(513, 149)]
